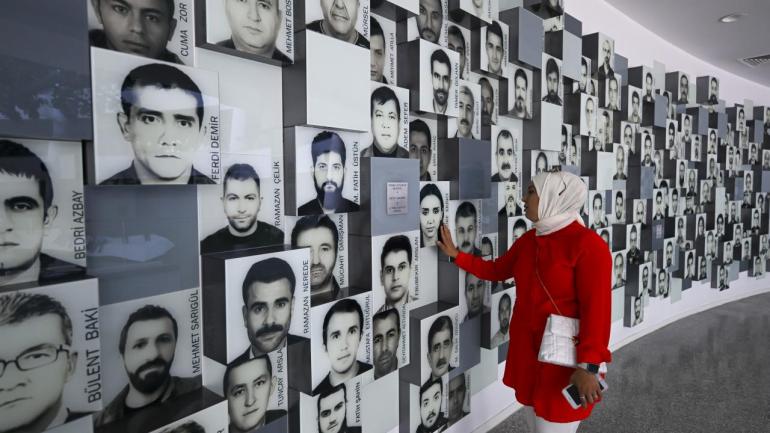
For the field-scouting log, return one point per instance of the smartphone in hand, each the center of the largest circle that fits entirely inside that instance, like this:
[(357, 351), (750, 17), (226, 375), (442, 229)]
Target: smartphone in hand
[(572, 394)]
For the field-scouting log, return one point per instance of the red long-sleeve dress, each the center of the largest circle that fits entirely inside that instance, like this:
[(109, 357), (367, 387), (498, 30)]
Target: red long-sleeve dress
[(575, 265)]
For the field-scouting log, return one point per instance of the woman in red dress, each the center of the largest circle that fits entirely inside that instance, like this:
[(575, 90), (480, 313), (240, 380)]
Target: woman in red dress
[(574, 265)]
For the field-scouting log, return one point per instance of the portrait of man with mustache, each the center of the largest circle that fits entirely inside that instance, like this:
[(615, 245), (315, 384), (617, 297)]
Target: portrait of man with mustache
[(339, 21), (505, 157), (440, 344), (268, 300), (441, 80), (466, 228), (467, 113), (396, 272), (521, 94), (320, 234), (147, 346), (386, 335), (329, 155)]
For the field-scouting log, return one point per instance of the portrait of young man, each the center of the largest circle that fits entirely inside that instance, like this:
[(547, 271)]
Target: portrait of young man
[(613, 87), (505, 157), (684, 89), (638, 310), (467, 112), (36, 331), (552, 81), (494, 49), (634, 108), (329, 156), (456, 42), (141, 27), (162, 119), (28, 197), (386, 326), (378, 51), (268, 299), (339, 21), (440, 345), (488, 112), (599, 219), (430, 20), (396, 272), (619, 270), (620, 163), (420, 146), (466, 228), (332, 406), (441, 80), (713, 91), (241, 202), (248, 385), (432, 420), (457, 390), (504, 307), (147, 347), (385, 112), (522, 94), (619, 207), (320, 234), (343, 328), (606, 58)]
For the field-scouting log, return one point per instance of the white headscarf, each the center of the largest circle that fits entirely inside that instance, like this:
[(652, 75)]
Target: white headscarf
[(562, 195)]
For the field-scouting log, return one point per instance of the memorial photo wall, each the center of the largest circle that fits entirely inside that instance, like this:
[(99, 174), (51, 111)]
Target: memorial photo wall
[(243, 236)]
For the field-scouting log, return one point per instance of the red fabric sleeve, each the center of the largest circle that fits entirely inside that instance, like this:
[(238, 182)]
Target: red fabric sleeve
[(490, 270), (593, 281)]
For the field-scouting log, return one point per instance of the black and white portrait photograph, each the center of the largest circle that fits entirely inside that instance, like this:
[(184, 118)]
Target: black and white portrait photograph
[(465, 225), (502, 306), (439, 80), (604, 129), (494, 48), (247, 218), (606, 57), (382, 46), (628, 135), (154, 123), (336, 409), (634, 112), (458, 398), (662, 283), (588, 108), (45, 232), (520, 92), (551, 87), (474, 296), (683, 89), (341, 341), (517, 226), (211, 419), (542, 161), (490, 98), (553, 24), (428, 406), (468, 121), (646, 275), (640, 211), (459, 41), (252, 387), (612, 96), (148, 354), (598, 214), (506, 151), (713, 91), (389, 111), (51, 334), (258, 29), (434, 211), (509, 199), (388, 350), (431, 23), (157, 29), (395, 261), (648, 85), (326, 236), (581, 85), (266, 295), (327, 164), (344, 20), (439, 344), (621, 164), (619, 206), (423, 145), (634, 311)]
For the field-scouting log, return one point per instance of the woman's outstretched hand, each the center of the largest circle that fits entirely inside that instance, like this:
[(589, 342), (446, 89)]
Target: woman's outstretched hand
[(445, 242)]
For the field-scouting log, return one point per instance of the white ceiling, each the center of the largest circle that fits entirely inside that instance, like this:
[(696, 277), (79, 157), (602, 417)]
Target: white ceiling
[(693, 26)]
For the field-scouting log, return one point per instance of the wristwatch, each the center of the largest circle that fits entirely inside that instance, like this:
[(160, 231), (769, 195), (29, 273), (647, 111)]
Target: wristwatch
[(591, 368)]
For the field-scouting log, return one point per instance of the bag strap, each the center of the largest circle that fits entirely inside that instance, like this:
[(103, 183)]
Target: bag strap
[(541, 281)]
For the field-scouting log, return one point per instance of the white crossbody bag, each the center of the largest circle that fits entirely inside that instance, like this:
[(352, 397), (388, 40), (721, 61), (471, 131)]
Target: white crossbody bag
[(560, 336)]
